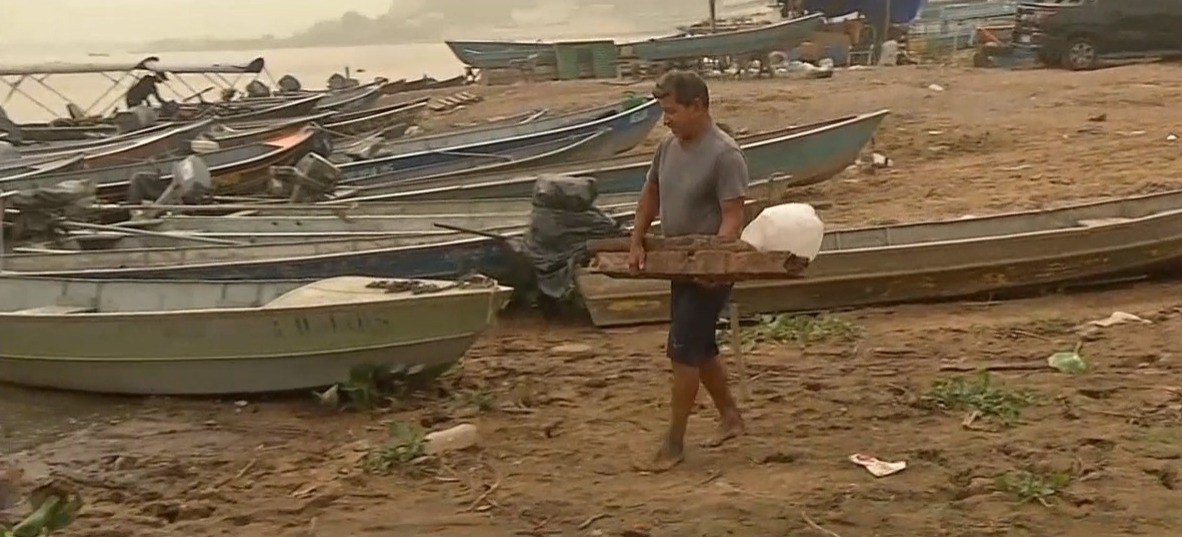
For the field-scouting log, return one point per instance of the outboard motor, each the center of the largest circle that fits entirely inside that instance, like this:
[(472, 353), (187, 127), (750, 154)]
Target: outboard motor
[(257, 89), (8, 152), (563, 219), (322, 143), (289, 84), (11, 131), (337, 82)]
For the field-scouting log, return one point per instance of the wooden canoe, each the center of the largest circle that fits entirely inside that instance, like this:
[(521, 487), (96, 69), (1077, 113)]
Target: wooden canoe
[(809, 153), (627, 129), (948, 259), (207, 338)]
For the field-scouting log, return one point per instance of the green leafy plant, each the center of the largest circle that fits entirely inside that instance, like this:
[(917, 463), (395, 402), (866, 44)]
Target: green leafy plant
[(1028, 487), (54, 508), (404, 445), (981, 394), (800, 329)]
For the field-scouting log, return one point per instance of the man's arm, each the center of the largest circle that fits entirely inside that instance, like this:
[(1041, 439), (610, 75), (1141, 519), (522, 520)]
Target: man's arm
[(650, 201), (732, 192)]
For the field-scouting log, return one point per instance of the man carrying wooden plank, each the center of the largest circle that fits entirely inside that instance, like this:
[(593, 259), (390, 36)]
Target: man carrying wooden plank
[(697, 184)]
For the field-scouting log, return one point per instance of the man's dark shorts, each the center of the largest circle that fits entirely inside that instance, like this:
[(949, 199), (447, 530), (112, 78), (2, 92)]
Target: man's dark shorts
[(693, 311)]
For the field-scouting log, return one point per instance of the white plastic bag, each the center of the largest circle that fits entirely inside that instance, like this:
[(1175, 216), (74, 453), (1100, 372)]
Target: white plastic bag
[(790, 227)]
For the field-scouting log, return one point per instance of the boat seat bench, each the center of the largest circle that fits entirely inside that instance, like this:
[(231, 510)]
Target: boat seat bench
[(55, 310)]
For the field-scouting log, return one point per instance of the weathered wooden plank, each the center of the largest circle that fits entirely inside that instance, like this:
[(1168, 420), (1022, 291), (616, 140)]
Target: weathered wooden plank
[(686, 242), (700, 257)]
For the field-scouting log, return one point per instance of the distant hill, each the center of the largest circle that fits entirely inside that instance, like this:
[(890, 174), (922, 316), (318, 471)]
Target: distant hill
[(428, 22), (434, 20)]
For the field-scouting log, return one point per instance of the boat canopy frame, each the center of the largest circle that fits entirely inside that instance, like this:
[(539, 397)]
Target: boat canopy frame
[(122, 74)]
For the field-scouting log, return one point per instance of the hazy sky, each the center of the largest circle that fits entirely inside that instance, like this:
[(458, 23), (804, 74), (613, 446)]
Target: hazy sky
[(91, 21)]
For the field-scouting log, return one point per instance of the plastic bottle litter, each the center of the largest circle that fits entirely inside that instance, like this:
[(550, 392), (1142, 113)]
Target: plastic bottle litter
[(876, 466), (790, 227), (461, 436), (1068, 362)]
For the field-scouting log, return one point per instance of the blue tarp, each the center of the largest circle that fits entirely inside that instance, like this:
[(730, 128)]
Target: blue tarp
[(902, 11)]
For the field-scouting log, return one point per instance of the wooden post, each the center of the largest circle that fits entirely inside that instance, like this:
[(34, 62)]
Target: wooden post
[(713, 16), (737, 349), (2, 195), (886, 29)]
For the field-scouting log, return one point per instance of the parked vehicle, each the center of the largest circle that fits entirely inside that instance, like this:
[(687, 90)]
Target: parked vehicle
[(1079, 34)]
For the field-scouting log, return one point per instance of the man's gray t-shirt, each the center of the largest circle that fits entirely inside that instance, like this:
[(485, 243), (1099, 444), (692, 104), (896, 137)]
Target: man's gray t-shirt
[(694, 180)]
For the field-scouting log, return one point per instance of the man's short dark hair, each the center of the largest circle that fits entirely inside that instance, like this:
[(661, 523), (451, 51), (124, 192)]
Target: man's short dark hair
[(686, 88)]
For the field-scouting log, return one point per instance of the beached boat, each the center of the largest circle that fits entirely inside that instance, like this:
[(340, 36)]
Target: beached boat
[(627, 128), (784, 35), (434, 256), (508, 217), (425, 83), (352, 99), (338, 124), (206, 338), (948, 259), (369, 112), (501, 54), (95, 143), (368, 121), (171, 232), (174, 139), (229, 136), (346, 209), (573, 148), (252, 223), (21, 171), (46, 132), (300, 107), (511, 127), (809, 153), (234, 170)]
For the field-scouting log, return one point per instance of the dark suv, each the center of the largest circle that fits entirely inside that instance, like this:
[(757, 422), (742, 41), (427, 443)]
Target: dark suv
[(1077, 34)]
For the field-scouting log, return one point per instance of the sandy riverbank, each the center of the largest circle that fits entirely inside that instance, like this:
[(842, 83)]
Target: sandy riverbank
[(561, 430)]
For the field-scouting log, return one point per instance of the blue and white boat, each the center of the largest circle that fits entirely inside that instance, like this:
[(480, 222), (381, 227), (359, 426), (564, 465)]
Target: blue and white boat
[(628, 126)]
